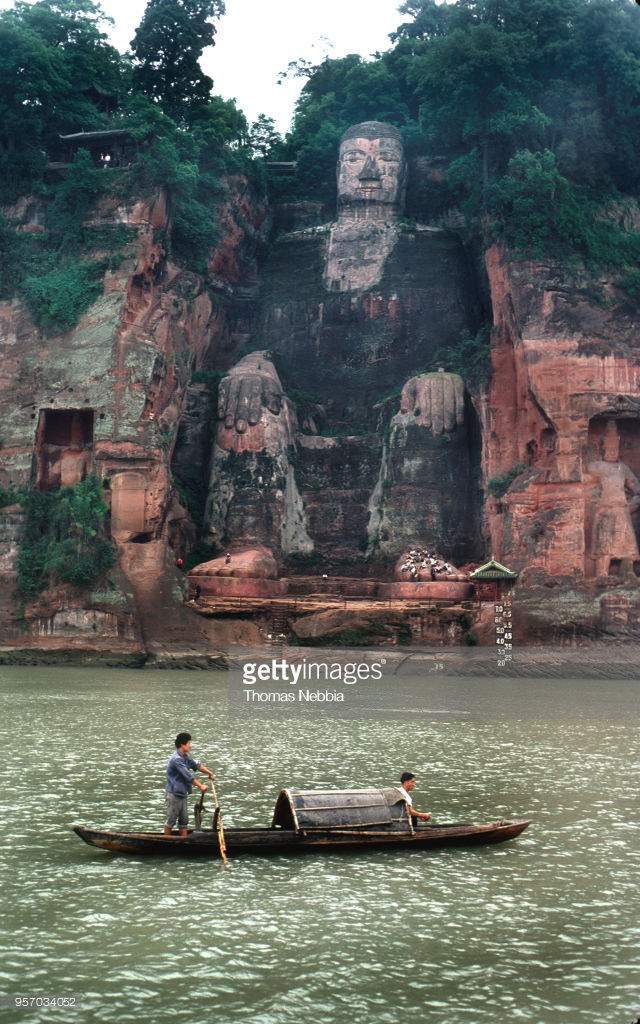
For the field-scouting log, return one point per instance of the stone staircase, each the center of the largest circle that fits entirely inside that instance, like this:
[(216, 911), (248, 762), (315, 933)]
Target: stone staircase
[(279, 629)]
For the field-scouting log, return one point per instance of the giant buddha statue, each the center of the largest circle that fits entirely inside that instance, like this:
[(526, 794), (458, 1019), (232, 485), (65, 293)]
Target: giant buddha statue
[(349, 319)]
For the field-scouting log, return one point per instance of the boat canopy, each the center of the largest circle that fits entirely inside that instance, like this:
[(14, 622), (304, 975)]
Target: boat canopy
[(304, 810)]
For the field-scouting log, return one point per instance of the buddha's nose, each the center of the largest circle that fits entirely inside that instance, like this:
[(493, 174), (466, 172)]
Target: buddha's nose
[(370, 171)]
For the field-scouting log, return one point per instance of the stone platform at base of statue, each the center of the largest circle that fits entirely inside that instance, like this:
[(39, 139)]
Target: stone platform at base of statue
[(437, 590), (234, 586), (340, 586)]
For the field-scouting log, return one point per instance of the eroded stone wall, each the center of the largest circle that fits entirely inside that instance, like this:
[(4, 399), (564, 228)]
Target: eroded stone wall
[(566, 375)]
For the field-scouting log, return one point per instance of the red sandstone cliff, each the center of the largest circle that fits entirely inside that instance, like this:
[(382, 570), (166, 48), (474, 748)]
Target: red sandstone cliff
[(566, 369), (559, 422), (107, 397), (561, 440)]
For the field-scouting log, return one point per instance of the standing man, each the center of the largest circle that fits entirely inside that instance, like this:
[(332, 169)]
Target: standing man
[(407, 783), (180, 780)]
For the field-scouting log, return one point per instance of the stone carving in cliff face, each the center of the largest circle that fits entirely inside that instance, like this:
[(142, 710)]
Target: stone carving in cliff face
[(252, 490), (424, 494), (372, 175), (128, 505), (434, 400), (350, 322), (64, 447), (615, 495), (253, 412), (565, 382)]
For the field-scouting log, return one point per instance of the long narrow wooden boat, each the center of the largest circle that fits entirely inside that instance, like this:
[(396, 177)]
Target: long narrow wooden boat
[(274, 840), (319, 821)]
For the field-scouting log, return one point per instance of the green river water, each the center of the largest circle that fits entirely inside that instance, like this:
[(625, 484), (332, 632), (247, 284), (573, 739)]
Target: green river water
[(544, 929)]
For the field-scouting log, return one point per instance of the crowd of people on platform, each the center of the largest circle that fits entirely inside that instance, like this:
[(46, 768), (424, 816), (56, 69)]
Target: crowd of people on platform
[(420, 560)]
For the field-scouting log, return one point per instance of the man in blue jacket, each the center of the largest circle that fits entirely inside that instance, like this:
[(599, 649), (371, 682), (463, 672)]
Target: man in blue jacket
[(180, 781)]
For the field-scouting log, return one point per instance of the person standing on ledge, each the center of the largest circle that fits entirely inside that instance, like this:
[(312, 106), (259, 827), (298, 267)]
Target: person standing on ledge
[(407, 783), (180, 781)]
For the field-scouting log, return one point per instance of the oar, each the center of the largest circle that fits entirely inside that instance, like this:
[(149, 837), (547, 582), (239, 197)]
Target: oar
[(218, 822), (198, 811)]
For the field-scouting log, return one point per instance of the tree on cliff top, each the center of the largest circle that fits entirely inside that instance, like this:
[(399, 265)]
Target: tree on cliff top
[(507, 95), (167, 48), (54, 63), (338, 93)]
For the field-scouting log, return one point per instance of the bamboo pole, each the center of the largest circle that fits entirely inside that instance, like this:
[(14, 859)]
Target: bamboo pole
[(218, 819)]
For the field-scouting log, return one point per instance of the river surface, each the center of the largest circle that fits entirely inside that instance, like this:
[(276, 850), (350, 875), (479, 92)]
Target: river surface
[(544, 929)]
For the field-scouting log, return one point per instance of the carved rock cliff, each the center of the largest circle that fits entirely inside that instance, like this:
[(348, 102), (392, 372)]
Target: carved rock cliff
[(326, 442), (108, 397), (561, 443)]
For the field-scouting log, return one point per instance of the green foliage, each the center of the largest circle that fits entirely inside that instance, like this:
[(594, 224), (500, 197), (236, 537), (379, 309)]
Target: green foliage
[(55, 64), (59, 297), (15, 250), (58, 74), (211, 378), (537, 210), (533, 104), (109, 237), (470, 358), (499, 485), (75, 195), (263, 139), (56, 286), (631, 284), (535, 204), (47, 270), (475, 84), (304, 562), (192, 489), (195, 233), (8, 496), (306, 404), (185, 164), (337, 93), (63, 538), (167, 48)]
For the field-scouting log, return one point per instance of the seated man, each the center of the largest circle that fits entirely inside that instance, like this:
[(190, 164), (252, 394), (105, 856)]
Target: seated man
[(407, 783)]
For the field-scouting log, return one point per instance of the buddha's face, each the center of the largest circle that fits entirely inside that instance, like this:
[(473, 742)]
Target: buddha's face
[(611, 442), (371, 170)]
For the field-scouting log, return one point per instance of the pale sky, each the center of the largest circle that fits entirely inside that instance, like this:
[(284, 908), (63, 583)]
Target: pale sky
[(256, 39)]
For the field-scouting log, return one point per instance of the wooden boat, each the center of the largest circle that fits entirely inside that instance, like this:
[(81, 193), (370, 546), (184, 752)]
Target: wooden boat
[(318, 820)]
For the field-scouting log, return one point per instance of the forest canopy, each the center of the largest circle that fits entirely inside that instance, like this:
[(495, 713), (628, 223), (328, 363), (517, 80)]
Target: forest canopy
[(59, 75), (531, 109)]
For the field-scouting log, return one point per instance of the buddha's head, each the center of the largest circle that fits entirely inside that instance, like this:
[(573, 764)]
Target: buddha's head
[(611, 442), (372, 168)]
